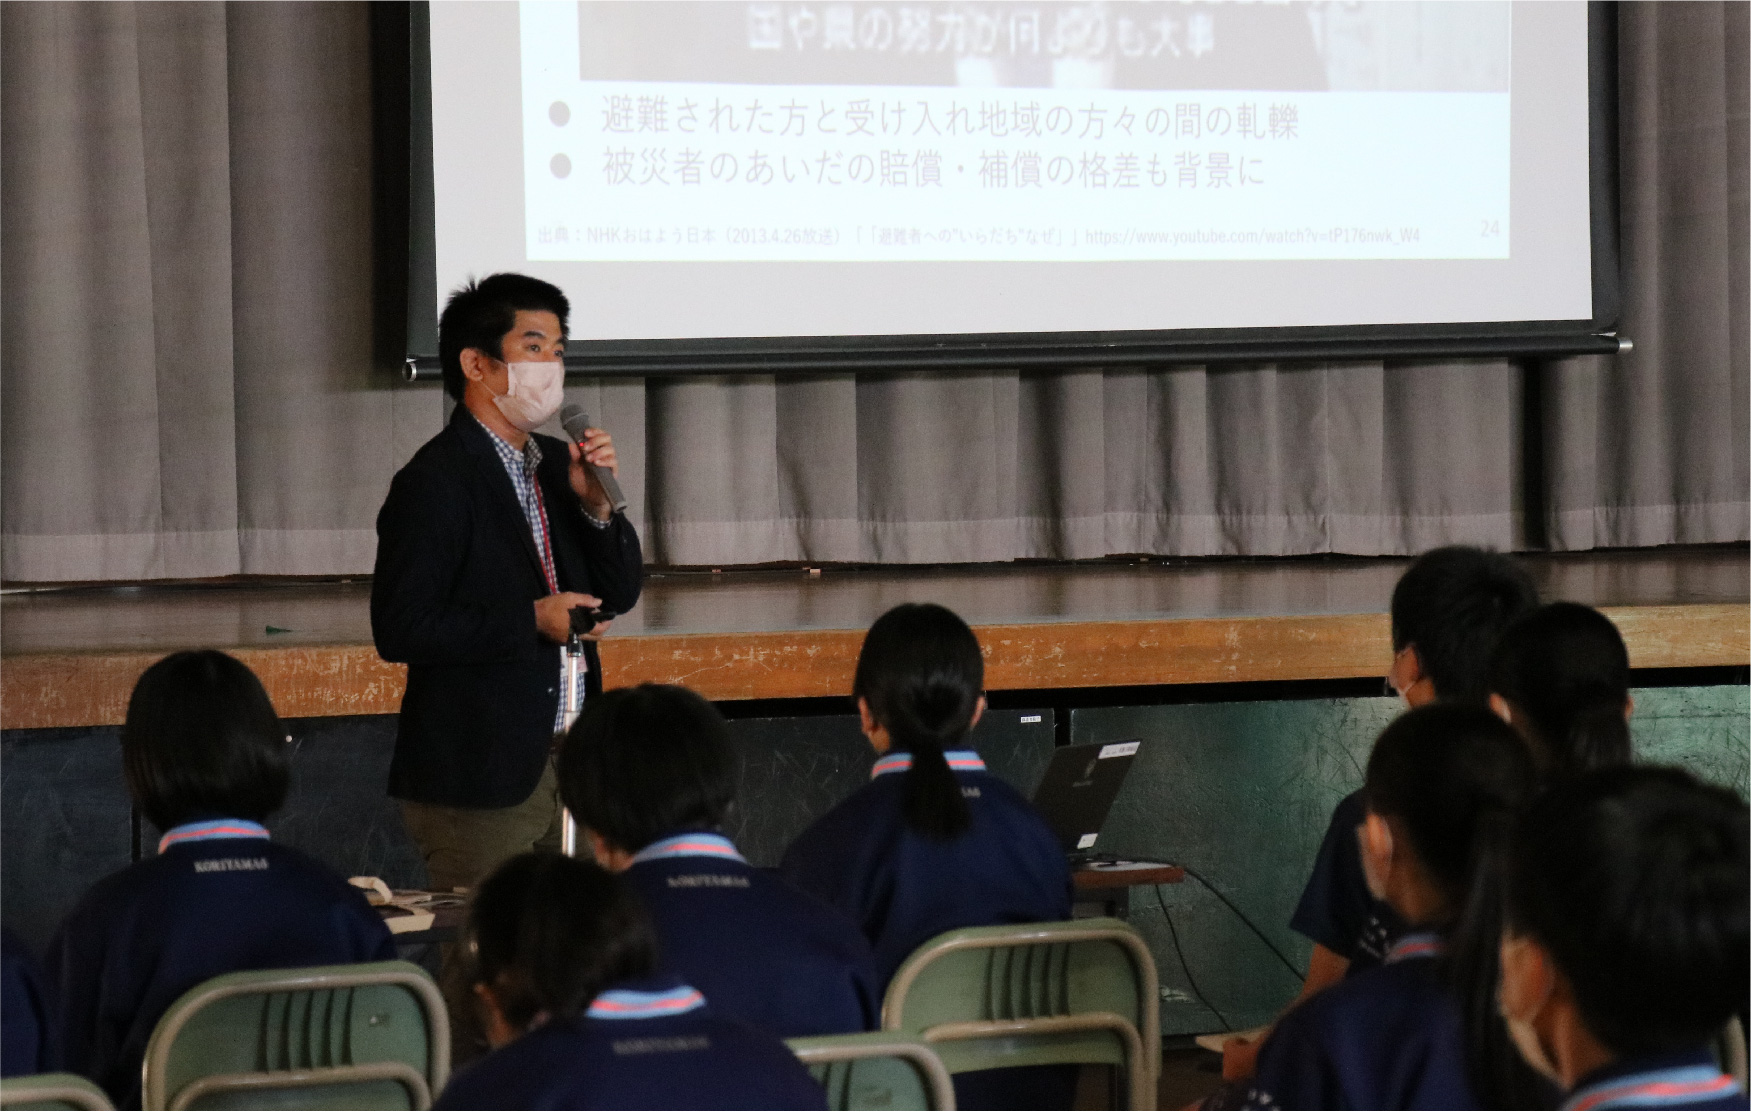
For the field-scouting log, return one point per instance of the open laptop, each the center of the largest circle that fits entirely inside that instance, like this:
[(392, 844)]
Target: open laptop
[(1078, 790)]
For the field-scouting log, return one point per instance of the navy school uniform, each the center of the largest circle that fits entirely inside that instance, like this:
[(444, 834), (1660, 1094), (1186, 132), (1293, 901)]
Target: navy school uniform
[(1336, 909), (24, 1042), (219, 898), (760, 950), (1687, 1079), (1388, 1037), (904, 889), (651, 1044)]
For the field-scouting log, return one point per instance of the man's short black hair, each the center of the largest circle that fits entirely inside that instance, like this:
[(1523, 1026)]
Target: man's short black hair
[(479, 314), (1452, 605), (1635, 880), (645, 762), (202, 741)]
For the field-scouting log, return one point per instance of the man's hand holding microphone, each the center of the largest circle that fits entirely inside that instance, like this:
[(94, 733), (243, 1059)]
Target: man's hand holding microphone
[(593, 469)]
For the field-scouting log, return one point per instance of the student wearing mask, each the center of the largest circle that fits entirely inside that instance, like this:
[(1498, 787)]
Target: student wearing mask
[(1443, 784), (934, 842), (1625, 946), (1448, 610), (206, 762), (649, 775), (563, 970), (1560, 676)]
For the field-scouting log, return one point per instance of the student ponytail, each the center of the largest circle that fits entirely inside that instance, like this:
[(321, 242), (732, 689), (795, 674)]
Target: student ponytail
[(922, 675), (1453, 779), (1498, 1075), (1564, 673)]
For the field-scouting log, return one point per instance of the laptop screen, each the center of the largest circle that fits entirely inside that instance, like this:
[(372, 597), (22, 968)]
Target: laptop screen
[(1079, 788)]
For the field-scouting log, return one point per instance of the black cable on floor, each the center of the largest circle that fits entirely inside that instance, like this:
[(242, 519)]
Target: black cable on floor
[(1173, 933), (1287, 964)]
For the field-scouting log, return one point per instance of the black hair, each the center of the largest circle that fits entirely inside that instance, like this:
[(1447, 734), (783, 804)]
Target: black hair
[(1635, 881), (1454, 777), (1451, 605), (1451, 776), (644, 762), (547, 933), (479, 313), (1565, 671), (923, 675), (202, 741)]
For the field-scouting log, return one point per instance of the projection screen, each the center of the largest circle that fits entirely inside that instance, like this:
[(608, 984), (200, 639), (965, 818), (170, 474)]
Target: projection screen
[(756, 173)]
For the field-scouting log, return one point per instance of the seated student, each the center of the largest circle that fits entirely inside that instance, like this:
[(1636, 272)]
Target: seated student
[(563, 959), (1448, 609), (933, 842), (24, 1043), (206, 762), (1560, 676), (1625, 945), (1442, 784), (649, 775)]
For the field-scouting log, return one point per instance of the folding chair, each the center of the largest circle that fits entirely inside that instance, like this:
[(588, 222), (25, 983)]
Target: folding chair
[(1081, 992), (876, 1069), (373, 1035), (51, 1091)]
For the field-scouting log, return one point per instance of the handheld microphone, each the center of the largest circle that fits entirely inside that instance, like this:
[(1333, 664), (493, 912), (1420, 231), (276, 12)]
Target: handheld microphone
[(574, 421)]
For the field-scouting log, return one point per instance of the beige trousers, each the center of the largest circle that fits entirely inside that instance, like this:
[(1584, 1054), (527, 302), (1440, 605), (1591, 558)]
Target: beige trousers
[(463, 845)]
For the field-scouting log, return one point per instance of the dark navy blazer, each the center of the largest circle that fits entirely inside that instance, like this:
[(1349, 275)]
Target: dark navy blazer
[(651, 1044), (1388, 1037), (761, 951), (903, 888), (453, 597), (204, 907), (24, 1041)]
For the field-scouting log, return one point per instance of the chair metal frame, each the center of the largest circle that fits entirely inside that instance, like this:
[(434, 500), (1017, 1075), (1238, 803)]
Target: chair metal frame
[(421, 1088), (851, 1048), (45, 1088), (1143, 1048)]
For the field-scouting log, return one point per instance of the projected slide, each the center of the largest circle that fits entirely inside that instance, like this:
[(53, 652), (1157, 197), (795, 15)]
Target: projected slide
[(921, 131), (783, 169)]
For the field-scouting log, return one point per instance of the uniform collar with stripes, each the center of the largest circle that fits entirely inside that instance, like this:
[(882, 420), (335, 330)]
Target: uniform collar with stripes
[(690, 845), (211, 830), (959, 760), (1424, 944), (627, 1003), (1682, 1082)]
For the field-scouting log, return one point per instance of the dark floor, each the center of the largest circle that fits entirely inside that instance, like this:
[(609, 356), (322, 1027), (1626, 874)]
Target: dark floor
[(1188, 1075)]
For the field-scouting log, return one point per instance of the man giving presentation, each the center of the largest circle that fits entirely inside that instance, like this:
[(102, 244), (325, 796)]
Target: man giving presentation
[(491, 535)]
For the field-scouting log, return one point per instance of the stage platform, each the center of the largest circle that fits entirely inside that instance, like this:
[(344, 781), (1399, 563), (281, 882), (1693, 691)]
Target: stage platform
[(70, 657)]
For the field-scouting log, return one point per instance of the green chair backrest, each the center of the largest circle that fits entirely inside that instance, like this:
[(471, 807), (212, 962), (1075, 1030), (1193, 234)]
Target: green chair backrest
[(51, 1091), (1082, 991), (875, 1070), (373, 1035)]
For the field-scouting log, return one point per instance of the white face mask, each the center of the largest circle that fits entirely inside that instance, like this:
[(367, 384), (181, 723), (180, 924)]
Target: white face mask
[(536, 392)]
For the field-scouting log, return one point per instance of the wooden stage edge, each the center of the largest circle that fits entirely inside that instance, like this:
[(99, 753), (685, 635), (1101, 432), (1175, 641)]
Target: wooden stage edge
[(90, 688)]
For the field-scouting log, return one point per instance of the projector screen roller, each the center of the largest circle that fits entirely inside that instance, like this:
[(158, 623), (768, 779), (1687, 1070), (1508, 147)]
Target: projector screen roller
[(738, 169)]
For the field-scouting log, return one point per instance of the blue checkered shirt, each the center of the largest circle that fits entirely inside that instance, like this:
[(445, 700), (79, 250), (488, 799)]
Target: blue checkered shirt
[(521, 468)]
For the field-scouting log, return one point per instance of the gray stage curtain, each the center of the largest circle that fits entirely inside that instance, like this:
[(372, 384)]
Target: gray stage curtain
[(189, 388), (1651, 448)]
